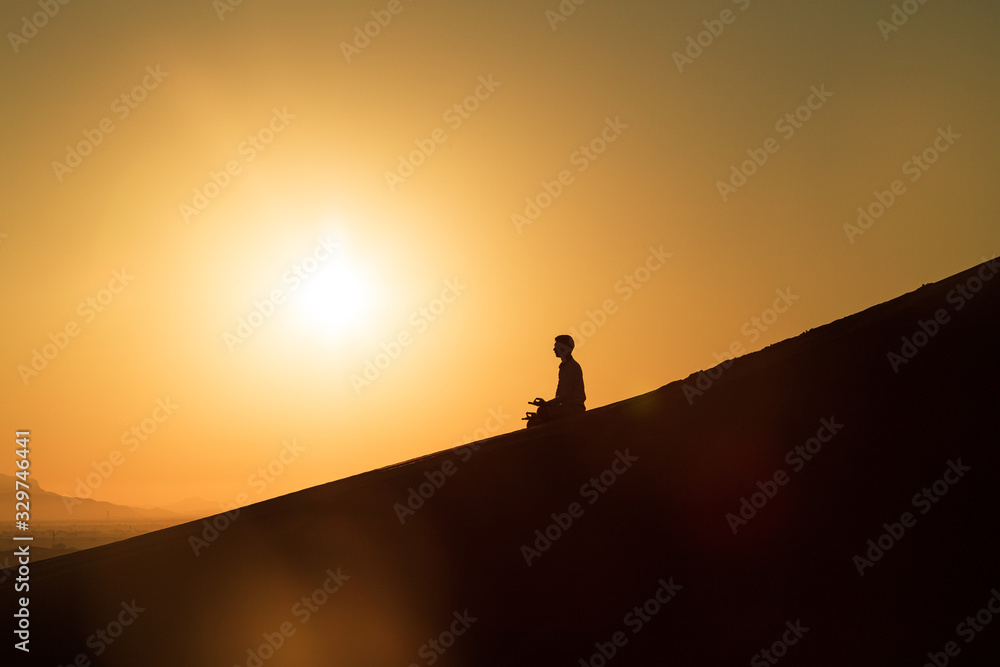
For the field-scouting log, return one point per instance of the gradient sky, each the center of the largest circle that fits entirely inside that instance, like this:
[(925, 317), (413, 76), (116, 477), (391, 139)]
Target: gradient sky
[(312, 131)]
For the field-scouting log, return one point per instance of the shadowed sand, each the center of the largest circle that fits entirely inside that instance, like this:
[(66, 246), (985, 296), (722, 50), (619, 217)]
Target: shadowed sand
[(640, 544)]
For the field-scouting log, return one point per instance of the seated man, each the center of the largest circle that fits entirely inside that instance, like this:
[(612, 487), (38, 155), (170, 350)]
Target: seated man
[(570, 395)]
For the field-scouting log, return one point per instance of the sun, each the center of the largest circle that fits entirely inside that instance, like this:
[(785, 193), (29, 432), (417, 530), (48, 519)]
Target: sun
[(336, 299)]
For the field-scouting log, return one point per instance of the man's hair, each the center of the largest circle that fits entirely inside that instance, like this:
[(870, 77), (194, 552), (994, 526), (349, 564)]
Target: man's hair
[(566, 341)]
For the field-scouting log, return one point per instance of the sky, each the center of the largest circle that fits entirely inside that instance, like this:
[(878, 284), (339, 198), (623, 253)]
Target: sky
[(253, 247)]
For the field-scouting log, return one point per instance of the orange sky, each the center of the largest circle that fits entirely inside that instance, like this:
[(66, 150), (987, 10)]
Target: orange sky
[(449, 193)]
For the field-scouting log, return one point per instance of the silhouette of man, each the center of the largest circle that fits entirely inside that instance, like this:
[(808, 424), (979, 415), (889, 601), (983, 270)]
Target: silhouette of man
[(570, 396)]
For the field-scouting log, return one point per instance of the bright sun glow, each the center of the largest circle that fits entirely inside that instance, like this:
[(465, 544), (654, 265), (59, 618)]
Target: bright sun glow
[(336, 299)]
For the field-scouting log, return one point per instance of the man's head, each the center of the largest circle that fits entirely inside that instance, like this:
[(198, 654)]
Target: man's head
[(564, 346)]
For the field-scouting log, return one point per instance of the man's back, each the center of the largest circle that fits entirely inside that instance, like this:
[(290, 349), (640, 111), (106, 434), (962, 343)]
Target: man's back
[(570, 386)]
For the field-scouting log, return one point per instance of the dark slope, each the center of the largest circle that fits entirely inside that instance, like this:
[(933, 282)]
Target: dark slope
[(664, 518)]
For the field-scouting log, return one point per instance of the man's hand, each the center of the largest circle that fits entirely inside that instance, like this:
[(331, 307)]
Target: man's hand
[(537, 401)]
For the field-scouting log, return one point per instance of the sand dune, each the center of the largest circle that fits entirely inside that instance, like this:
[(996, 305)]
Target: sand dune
[(820, 502)]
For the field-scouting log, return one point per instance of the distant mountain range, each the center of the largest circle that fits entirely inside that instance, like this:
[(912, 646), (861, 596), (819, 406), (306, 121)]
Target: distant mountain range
[(49, 506)]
